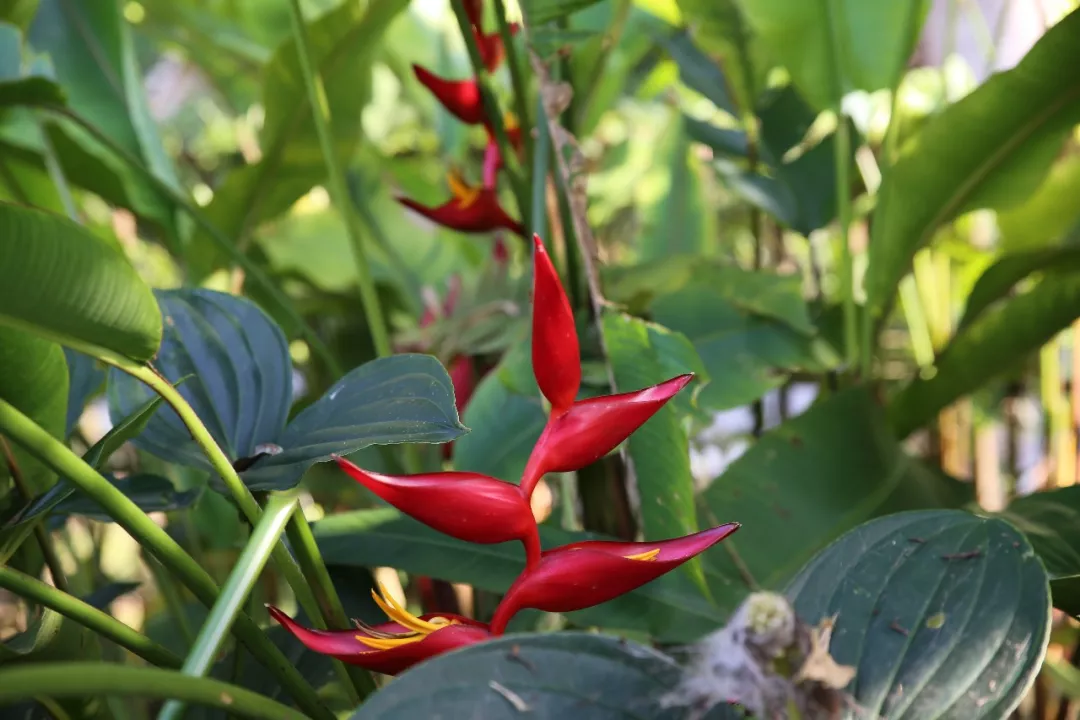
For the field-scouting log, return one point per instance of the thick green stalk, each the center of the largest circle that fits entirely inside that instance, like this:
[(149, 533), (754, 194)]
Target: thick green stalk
[(517, 77), (224, 244), (264, 538), (239, 492), (540, 161), (53, 453), (843, 211), (87, 615), (314, 568), (74, 679), (494, 114), (339, 192)]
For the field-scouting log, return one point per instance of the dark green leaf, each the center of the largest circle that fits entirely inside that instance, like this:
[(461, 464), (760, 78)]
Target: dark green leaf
[(813, 478), (85, 378), (399, 399), (698, 71), (555, 676), (943, 614), (718, 28), (1001, 277), (671, 608), (834, 47), (152, 493), (343, 42), (30, 91), (104, 596), (992, 344), (538, 12), (1051, 522), (660, 450), (723, 141), (59, 280), (242, 384), (1013, 127)]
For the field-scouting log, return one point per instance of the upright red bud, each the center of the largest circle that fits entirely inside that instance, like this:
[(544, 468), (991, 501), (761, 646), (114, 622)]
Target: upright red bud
[(584, 574), (592, 428), (460, 97), (467, 506), (556, 357)]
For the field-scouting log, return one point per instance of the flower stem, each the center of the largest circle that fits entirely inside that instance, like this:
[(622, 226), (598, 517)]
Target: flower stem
[(74, 679), (494, 115), (517, 77), (236, 590), (339, 192), (540, 161), (842, 145), (57, 456), (86, 615), (239, 492)]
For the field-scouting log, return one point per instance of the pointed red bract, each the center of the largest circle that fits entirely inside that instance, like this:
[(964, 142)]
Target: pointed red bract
[(584, 574), (344, 645), (592, 428), (492, 49), (483, 215), (556, 357), (467, 506), (460, 97), (474, 9)]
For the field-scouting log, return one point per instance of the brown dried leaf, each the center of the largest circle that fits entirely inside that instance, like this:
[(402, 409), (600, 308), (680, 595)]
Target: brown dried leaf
[(819, 665)]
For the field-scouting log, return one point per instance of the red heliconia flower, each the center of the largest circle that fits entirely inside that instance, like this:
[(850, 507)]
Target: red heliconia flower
[(464, 505), (556, 357), (471, 210), (577, 433), (391, 647), (584, 574), (592, 428), (474, 9), (492, 50), (460, 97)]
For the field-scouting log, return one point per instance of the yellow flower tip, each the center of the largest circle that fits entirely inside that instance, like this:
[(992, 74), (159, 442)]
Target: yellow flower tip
[(460, 188), (645, 556), (510, 121)]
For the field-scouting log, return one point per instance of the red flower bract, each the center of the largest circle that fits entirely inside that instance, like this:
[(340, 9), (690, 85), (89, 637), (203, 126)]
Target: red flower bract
[(492, 50), (395, 646), (584, 574), (592, 428), (471, 210), (468, 506), (460, 97), (556, 357)]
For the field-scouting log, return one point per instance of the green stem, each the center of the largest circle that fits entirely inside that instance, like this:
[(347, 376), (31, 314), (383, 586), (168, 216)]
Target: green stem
[(87, 615), (243, 498), (53, 453), (540, 160), (314, 569), (264, 538), (494, 115), (517, 77), (339, 192), (75, 679), (251, 270), (843, 212)]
